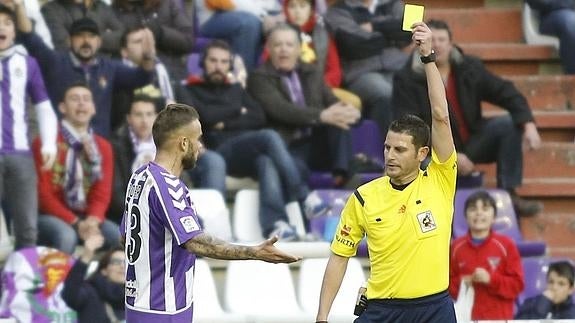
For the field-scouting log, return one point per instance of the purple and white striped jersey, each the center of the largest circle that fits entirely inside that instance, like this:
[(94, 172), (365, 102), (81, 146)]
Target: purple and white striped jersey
[(20, 78), (159, 218)]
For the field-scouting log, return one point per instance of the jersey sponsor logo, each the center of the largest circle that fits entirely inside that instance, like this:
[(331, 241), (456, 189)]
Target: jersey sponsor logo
[(131, 288), (189, 224), (402, 209), (426, 221), (344, 241), (345, 230)]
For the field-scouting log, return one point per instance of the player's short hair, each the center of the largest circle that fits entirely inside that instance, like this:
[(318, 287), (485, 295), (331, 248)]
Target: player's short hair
[(482, 196), (441, 25), (414, 126), (171, 119), (562, 269)]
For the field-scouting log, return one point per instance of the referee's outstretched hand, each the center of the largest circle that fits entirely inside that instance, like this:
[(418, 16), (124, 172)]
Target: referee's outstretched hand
[(267, 252)]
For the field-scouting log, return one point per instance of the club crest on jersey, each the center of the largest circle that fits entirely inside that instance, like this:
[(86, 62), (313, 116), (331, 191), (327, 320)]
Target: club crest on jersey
[(189, 224), (493, 262), (426, 221)]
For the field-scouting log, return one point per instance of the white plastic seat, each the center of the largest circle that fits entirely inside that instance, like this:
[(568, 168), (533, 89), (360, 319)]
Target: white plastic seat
[(263, 292), (530, 22), (246, 223), (207, 308), (309, 287), (213, 211)]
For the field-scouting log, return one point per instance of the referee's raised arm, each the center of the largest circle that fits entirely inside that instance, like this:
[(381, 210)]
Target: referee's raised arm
[(441, 137)]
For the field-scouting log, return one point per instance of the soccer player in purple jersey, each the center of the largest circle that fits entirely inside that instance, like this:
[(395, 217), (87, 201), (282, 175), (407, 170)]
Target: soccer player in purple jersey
[(161, 228)]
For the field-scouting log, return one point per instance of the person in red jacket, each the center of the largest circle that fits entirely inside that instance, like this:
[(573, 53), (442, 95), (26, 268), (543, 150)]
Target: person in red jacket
[(74, 194), (486, 260)]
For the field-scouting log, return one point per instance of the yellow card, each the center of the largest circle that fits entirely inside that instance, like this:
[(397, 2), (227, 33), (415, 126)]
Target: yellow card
[(412, 14)]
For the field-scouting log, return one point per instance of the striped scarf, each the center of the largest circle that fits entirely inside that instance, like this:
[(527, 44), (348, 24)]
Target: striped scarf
[(83, 162)]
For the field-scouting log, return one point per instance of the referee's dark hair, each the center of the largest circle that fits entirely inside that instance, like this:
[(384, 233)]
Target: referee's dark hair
[(482, 196), (415, 127), (171, 119)]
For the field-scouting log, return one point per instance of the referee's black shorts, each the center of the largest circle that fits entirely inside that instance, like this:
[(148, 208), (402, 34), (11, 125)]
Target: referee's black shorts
[(436, 308)]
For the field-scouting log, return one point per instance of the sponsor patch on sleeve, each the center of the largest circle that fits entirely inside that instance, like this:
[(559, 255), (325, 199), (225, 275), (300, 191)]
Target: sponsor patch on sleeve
[(189, 224)]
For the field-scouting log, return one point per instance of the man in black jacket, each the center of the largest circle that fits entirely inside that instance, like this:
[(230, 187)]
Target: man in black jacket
[(477, 139), (232, 125)]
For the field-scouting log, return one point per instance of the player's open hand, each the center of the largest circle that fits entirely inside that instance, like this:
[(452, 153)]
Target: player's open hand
[(266, 251)]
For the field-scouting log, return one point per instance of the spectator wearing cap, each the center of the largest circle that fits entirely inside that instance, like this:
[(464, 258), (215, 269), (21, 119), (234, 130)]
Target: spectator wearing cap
[(60, 14), (82, 62)]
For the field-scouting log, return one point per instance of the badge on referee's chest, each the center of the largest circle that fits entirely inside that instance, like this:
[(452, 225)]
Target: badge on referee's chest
[(426, 221)]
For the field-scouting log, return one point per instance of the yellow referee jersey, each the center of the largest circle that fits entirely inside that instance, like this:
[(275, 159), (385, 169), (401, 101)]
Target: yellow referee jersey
[(408, 232)]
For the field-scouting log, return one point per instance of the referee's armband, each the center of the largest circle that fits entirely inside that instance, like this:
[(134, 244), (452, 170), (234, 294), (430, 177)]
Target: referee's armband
[(359, 197)]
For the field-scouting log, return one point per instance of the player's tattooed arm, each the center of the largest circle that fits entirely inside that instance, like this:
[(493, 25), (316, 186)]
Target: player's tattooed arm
[(207, 245)]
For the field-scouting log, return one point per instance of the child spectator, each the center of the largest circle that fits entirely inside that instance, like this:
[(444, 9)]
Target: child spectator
[(556, 301), (486, 260)]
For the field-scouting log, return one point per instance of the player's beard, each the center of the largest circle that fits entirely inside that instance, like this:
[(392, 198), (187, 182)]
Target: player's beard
[(189, 160)]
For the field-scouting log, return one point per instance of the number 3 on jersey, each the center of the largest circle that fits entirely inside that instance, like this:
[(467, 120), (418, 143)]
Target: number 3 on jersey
[(135, 239)]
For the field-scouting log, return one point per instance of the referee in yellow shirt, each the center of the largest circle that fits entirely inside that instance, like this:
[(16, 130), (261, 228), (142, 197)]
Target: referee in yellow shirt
[(406, 217)]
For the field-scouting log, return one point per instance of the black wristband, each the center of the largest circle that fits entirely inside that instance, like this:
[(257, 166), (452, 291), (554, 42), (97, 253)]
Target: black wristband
[(429, 58)]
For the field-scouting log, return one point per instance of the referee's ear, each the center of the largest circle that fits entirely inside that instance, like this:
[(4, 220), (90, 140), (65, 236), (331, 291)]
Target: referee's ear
[(422, 153)]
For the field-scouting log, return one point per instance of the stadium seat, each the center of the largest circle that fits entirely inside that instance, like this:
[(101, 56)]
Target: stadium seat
[(213, 212), (367, 164), (262, 292), (328, 204), (505, 221), (309, 286), (246, 223), (207, 308), (535, 277), (530, 22)]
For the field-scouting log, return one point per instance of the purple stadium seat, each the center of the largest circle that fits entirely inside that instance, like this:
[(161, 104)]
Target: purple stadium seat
[(325, 224), (505, 221), (193, 65), (366, 140)]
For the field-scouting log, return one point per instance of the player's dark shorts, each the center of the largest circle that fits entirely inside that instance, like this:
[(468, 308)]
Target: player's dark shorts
[(436, 308)]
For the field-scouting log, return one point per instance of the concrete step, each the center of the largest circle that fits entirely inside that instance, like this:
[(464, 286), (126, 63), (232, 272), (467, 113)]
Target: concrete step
[(553, 161), (543, 93), (548, 187), (497, 25), (547, 92), (557, 229), (513, 58)]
